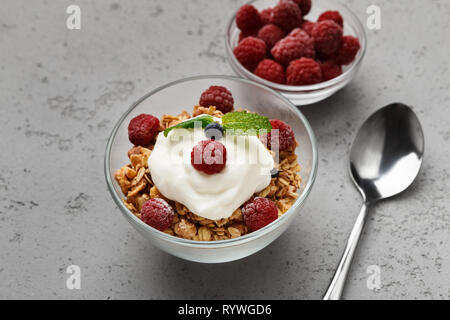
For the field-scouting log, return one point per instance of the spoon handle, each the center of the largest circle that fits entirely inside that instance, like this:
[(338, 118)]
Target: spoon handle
[(336, 286)]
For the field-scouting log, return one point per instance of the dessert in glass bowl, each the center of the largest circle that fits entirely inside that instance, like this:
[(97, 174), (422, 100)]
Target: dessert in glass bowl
[(170, 99), (216, 173)]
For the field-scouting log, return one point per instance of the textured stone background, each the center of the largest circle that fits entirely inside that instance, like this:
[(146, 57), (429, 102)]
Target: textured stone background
[(62, 91)]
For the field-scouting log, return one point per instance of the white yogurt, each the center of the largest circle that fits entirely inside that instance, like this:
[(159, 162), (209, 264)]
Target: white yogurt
[(216, 196)]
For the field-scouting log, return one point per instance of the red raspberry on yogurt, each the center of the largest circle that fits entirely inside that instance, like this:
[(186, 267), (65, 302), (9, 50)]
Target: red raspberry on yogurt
[(209, 156)]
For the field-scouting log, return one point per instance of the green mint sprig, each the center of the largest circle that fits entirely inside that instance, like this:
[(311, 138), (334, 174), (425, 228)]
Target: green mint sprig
[(245, 123), (189, 124), (235, 123)]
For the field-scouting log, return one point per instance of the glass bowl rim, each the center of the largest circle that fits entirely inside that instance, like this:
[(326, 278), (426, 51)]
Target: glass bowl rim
[(306, 88), (216, 243)]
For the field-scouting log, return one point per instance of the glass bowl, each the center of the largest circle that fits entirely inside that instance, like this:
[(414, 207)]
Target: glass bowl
[(303, 95), (183, 95)]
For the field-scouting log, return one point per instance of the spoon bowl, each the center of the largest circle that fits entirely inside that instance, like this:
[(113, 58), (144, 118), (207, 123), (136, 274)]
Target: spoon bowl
[(386, 155), (385, 159)]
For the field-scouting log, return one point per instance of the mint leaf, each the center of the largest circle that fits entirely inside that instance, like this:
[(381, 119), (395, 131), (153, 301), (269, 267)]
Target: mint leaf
[(245, 123), (189, 124)]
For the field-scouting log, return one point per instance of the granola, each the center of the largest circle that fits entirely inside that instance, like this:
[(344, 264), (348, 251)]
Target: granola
[(136, 184)]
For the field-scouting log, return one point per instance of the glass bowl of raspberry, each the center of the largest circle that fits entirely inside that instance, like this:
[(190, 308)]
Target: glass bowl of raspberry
[(172, 99), (308, 57)]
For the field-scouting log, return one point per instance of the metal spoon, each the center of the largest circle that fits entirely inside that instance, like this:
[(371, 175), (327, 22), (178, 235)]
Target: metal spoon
[(385, 159)]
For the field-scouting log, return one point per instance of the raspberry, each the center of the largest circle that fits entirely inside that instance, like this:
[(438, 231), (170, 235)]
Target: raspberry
[(330, 70), (348, 50), (248, 19), (250, 51), (303, 71), (305, 6), (157, 213), (307, 26), (287, 15), (219, 97), (143, 129), (243, 35), (332, 15), (258, 212), (296, 45), (271, 34), (266, 15), (282, 136), (209, 156), (327, 37), (271, 71), (297, 32)]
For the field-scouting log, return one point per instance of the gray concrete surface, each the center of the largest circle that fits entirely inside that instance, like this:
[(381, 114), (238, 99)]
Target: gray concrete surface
[(63, 90)]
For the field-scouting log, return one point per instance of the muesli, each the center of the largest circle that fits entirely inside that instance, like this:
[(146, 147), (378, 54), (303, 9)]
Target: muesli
[(215, 174)]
